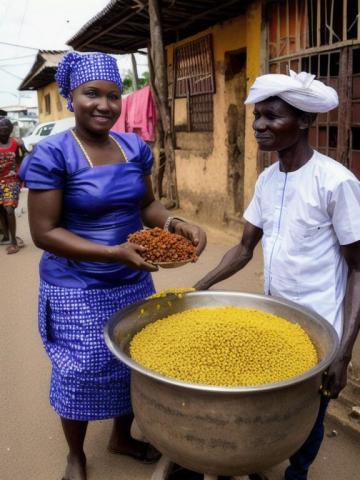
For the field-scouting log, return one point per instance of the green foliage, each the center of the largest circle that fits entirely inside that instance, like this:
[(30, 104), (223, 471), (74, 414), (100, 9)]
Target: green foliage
[(128, 81), (144, 79)]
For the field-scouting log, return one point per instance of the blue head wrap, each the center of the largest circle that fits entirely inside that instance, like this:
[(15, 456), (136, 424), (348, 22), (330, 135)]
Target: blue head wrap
[(75, 69)]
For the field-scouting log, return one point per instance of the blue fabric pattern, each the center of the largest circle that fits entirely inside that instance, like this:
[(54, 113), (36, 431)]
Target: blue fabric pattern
[(75, 70), (101, 204), (87, 381)]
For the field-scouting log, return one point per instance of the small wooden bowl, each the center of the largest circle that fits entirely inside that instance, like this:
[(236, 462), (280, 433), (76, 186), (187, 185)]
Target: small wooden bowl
[(173, 264)]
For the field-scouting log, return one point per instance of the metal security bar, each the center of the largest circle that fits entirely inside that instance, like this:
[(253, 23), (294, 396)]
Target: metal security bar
[(323, 38), (296, 25), (194, 68), (195, 81)]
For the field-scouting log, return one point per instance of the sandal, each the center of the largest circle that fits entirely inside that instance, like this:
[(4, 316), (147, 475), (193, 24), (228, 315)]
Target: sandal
[(147, 453), (19, 240), (12, 249)]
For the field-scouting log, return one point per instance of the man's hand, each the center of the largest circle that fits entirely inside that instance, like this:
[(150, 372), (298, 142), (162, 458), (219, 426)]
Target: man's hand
[(334, 380), (201, 285), (234, 259)]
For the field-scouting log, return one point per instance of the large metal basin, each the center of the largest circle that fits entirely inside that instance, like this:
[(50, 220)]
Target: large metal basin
[(219, 430)]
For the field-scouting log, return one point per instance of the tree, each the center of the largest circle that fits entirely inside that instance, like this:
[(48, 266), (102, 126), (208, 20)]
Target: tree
[(128, 81)]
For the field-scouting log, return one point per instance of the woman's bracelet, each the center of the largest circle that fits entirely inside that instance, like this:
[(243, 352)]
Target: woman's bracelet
[(168, 222)]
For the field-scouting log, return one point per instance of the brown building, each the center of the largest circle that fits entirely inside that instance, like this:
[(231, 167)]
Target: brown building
[(215, 50), (41, 78)]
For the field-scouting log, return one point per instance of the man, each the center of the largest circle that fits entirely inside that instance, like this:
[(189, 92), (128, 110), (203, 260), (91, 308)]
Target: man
[(306, 210)]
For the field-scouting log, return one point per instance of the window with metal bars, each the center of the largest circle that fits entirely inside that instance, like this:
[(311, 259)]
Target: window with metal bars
[(47, 100), (300, 24), (195, 81), (323, 38)]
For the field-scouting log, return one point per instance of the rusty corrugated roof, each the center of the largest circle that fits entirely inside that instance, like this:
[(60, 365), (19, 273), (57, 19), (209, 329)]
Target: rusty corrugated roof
[(43, 70), (123, 25)]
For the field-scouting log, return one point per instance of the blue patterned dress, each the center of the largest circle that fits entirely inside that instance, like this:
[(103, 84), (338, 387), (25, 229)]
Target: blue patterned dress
[(76, 298)]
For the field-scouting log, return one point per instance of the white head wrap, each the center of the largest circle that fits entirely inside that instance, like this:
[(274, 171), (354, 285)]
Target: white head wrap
[(299, 90)]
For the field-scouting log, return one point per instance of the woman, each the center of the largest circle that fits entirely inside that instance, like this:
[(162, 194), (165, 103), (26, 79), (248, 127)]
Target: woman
[(9, 186), (88, 190)]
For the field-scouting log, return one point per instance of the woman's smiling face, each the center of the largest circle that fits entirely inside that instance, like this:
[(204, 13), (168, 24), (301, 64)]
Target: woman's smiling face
[(97, 105), (277, 125)]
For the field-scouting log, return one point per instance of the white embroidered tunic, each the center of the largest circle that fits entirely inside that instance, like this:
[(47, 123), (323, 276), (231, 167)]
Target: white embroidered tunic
[(305, 216)]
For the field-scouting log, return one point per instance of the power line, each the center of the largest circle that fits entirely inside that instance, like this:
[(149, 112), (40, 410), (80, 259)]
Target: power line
[(15, 64), (17, 45), (16, 58), (23, 17), (10, 73)]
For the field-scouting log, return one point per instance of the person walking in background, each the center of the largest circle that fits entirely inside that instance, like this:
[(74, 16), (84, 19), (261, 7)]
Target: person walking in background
[(10, 157), (88, 190), (306, 211)]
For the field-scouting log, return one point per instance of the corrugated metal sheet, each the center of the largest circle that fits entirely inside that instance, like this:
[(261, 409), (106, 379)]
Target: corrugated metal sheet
[(123, 25), (43, 70)]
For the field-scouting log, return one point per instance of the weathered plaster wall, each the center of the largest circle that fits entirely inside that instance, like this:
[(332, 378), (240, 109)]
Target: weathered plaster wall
[(202, 173), (254, 42), (58, 104)]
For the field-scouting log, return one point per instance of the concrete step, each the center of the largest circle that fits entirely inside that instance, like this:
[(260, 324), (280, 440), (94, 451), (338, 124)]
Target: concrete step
[(350, 396), (339, 413)]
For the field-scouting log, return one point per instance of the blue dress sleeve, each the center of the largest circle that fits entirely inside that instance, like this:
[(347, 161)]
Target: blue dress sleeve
[(44, 168)]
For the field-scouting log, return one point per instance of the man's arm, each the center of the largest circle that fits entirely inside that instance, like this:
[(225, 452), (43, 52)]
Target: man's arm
[(235, 259), (335, 380)]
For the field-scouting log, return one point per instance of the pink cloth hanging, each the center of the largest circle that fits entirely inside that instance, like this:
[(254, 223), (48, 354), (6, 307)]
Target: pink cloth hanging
[(120, 125), (138, 115)]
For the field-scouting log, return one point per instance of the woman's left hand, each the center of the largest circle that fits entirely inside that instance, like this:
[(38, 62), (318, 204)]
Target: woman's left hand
[(195, 234)]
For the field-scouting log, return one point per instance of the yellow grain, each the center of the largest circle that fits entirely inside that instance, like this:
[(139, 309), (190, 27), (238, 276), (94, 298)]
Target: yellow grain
[(224, 346), (179, 292)]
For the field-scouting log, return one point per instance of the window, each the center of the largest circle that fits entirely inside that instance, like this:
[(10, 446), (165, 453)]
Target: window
[(58, 103), (47, 104), (327, 44), (299, 24), (195, 81), (45, 130)]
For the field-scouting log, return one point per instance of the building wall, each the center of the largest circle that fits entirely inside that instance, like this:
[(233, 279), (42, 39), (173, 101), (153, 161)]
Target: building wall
[(202, 159), (58, 108)]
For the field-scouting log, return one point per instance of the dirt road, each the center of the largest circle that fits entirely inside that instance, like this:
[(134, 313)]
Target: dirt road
[(31, 442)]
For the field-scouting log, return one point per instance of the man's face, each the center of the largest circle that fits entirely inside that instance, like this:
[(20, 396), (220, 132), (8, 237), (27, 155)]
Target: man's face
[(97, 105), (5, 132), (277, 125)]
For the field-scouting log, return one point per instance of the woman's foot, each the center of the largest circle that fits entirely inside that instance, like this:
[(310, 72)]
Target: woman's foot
[(142, 451), (75, 468)]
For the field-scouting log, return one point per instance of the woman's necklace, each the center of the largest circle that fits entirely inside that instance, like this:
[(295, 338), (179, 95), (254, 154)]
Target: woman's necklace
[(86, 154)]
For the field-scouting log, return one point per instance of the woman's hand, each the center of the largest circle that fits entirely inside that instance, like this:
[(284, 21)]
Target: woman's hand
[(195, 234), (130, 254)]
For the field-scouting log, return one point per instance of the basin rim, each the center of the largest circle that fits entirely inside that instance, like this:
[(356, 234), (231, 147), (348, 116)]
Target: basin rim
[(318, 369)]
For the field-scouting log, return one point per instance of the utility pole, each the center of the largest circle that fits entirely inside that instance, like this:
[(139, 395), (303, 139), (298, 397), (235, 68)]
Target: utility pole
[(135, 72), (159, 66)]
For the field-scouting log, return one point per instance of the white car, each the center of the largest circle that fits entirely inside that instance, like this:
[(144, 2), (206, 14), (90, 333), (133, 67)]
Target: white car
[(43, 130)]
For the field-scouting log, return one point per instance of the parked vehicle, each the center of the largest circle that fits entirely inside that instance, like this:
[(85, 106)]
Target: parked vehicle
[(43, 130), (23, 126)]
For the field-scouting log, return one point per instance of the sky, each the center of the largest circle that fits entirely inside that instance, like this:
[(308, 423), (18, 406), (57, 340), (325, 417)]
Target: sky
[(45, 25)]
